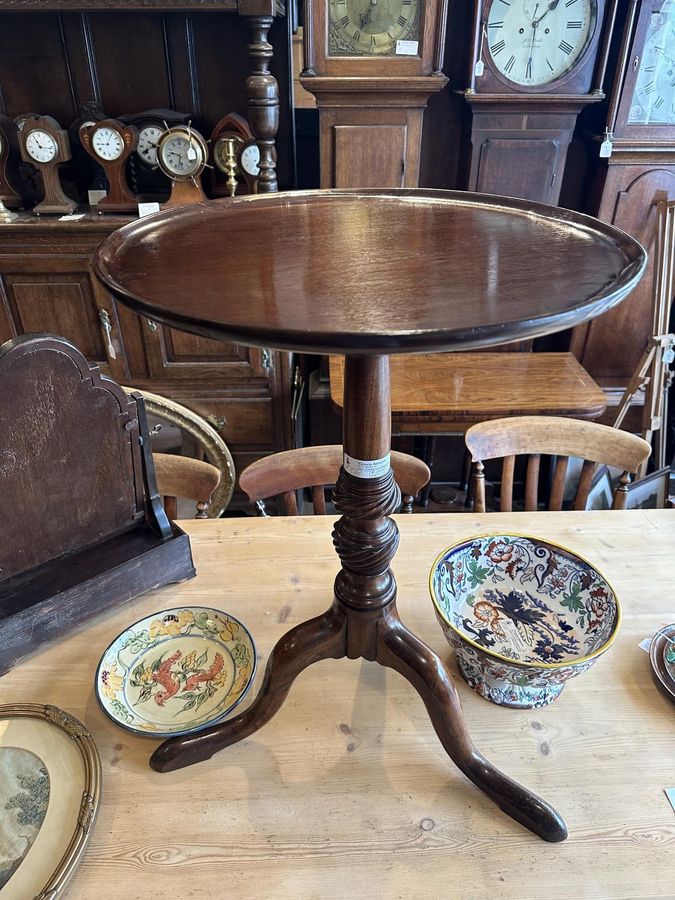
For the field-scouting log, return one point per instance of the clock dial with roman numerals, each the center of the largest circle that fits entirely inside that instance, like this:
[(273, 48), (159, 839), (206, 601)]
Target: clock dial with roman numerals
[(373, 27), (654, 96), (535, 42)]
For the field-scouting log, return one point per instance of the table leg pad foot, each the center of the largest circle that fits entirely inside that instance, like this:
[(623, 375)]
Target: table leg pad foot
[(320, 638), (401, 650)]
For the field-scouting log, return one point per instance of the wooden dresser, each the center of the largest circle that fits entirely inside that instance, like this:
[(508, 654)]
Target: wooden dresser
[(46, 285)]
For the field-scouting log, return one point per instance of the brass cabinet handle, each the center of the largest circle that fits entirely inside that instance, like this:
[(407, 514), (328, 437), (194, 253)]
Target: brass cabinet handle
[(106, 327)]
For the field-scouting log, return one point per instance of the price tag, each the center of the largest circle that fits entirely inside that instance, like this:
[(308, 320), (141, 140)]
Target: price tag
[(147, 209), (191, 153), (606, 149), (95, 197), (406, 48), (479, 68), (367, 468)]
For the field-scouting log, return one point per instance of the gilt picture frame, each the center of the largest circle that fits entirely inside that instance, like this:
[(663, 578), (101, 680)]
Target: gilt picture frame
[(50, 788)]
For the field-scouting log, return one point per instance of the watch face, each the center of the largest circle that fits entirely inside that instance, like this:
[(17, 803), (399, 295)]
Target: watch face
[(534, 43), (41, 146), (148, 138), (107, 143), (250, 159), (373, 27), (653, 100), (181, 154)]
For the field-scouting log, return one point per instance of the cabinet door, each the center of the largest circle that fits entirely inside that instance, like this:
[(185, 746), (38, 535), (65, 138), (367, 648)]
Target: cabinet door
[(370, 155), (68, 304), (178, 356), (517, 167)]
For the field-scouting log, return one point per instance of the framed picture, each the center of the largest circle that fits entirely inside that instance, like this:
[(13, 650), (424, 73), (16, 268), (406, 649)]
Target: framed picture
[(50, 786), (601, 494), (650, 492)]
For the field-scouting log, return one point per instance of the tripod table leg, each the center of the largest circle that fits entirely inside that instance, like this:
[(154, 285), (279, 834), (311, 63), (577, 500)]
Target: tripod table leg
[(320, 638), (399, 649)]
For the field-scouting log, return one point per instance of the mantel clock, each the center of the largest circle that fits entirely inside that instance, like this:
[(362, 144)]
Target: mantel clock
[(45, 145), (535, 65), (8, 149), (111, 142), (372, 66), (182, 154)]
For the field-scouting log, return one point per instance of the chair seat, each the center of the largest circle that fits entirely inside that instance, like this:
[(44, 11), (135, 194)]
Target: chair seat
[(448, 392)]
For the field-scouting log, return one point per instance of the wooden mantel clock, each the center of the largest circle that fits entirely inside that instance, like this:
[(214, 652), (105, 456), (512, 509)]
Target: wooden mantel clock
[(372, 66), (535, 65), (111, 143), (45, 145)]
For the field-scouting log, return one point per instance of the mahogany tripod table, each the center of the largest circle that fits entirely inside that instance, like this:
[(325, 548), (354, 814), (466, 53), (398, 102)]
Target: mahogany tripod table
[(366, 274)]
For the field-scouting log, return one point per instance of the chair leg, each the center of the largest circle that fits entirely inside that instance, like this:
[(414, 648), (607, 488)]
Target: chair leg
[(399, 649), (320, 638)]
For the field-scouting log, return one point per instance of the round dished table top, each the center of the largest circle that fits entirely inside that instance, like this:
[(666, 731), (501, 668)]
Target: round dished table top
[(370, 271)]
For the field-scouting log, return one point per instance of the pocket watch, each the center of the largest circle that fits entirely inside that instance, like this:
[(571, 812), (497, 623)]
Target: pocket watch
[(111, 142), (182, 155), (45, 145)]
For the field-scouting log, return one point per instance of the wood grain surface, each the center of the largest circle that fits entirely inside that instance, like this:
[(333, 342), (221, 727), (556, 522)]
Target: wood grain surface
[(457, 389), (370, 271), (347, 792)]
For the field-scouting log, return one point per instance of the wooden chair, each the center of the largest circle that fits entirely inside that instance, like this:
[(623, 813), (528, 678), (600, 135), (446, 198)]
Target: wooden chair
[(554, 436), (187, 478), (282, 474)]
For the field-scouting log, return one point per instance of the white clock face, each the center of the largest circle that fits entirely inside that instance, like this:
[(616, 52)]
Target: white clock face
[(107, 143), (535, 42), (148, 138), (654, 96), (250, 159), (41, 146), (181, 155)]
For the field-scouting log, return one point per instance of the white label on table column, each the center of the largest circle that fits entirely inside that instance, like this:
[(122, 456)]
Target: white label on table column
[(367, 468)]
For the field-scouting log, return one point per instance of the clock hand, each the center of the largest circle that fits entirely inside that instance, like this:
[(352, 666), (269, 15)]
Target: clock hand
[(552, 5)]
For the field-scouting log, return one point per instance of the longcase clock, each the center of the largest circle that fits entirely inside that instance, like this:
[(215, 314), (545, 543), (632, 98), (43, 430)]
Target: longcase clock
[(535, 65), (634, 167), (372, 66)]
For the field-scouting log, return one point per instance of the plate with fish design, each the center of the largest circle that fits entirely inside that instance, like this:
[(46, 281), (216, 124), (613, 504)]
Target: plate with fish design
[(176, 671)]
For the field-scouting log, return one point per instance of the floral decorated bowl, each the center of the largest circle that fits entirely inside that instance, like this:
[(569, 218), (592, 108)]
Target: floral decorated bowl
[(522, 614), (176, 671)]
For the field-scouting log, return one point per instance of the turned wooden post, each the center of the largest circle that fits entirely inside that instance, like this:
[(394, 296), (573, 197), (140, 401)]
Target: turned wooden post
[(262, 94)]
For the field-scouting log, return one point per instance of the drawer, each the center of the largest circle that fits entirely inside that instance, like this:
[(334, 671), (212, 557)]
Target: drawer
[(241, 423)]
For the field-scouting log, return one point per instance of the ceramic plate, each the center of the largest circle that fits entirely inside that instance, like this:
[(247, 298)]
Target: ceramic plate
[(176, 671), (662, 659)]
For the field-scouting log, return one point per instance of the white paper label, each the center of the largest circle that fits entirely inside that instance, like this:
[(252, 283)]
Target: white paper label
[(147, 209), (644, 645), (367, 468), (72, 217), (606, 149), (191, 153), (479, 68), (96, 197), (406, 48)]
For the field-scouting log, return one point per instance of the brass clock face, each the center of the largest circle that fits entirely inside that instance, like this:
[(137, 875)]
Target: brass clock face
[(535, 42), (653, 100), (373, 27)]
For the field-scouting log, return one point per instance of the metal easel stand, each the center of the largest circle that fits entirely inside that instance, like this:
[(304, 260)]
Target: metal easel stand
[(653, 371)]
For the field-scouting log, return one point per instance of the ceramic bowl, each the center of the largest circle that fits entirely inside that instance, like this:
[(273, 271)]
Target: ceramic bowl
[(176, 671), (522, 614)]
